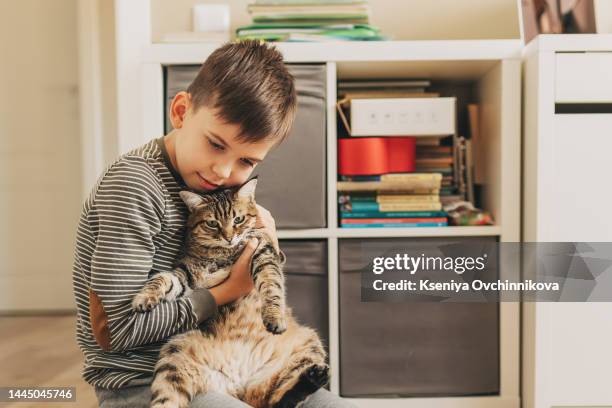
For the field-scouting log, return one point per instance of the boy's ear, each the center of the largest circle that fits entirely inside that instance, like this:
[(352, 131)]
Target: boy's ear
[(192, 200), (247, 190), (178, 109)]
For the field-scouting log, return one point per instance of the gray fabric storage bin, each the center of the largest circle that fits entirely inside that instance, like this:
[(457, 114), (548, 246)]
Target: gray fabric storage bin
[(306, 283), (292, 177), (415, 348)]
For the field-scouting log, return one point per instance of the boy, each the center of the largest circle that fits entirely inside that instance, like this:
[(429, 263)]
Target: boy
[(241, 104)]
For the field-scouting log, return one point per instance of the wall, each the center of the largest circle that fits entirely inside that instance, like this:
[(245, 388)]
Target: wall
[(109, 79), (40, 171)]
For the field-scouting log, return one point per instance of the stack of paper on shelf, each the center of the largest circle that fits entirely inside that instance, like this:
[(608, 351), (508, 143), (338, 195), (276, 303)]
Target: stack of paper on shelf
[(309, 20), (391, 200)]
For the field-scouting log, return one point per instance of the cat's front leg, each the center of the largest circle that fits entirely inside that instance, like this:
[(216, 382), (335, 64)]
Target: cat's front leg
[(270, 284), (164, 285)]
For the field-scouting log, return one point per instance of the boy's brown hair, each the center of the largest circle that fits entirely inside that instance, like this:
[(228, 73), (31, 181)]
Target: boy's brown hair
[(250, 85)]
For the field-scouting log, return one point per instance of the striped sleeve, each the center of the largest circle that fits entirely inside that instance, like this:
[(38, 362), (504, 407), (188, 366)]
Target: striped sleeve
[(125, 216)]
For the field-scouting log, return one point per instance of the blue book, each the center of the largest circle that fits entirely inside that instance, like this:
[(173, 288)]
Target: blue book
[(392, 214), (359, 178), (397, 225), (396, 207)]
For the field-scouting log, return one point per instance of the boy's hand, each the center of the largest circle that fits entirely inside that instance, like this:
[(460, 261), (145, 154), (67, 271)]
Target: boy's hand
[(265, 221), (239, 283)]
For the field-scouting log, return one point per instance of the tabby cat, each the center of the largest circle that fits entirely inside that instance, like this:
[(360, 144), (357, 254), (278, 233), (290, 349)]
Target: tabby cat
[(277, 363)]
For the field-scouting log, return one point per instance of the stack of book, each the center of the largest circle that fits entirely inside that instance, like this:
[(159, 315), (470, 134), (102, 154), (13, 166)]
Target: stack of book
[(391, 200), (452, 158), (309, 20), (438, 156)]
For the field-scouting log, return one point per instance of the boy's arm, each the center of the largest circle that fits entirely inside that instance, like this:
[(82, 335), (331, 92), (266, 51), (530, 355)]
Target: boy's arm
[(126, 215)]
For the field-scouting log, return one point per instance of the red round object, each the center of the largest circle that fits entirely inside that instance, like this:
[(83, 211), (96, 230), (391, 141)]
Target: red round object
[(376, 155)]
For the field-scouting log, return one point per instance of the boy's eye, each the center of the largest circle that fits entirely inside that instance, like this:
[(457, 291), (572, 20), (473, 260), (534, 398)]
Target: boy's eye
[(216, 145), (247, 162), (212, 224), (239, 220)]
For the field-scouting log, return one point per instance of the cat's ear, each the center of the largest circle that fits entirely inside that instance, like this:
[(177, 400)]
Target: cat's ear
[(192, 200), (248, 189)]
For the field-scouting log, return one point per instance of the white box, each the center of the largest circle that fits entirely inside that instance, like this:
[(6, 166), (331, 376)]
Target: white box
[(211, 18), (403, 117)]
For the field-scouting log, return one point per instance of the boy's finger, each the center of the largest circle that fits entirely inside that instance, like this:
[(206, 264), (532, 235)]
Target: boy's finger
[(248, 251)]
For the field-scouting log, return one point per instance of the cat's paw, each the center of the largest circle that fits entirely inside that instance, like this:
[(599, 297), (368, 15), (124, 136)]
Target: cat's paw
[(275, 325), (318, 374), (145, 301)]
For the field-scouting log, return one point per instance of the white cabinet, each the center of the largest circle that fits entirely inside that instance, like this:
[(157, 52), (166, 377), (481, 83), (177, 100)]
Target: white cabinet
[(566, 195)]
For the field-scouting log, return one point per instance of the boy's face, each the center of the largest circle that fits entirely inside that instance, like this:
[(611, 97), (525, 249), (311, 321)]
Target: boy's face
[(205, 149)]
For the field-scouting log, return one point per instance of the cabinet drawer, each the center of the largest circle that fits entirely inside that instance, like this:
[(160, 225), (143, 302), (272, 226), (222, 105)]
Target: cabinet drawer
[(292, 178), (306, 283), (424, 349), (583, 77)]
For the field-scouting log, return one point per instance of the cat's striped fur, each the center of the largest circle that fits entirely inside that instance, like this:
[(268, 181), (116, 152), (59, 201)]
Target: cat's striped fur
[(253, 350)]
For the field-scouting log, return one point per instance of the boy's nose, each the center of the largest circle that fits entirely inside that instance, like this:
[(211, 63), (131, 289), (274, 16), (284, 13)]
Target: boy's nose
[(222, 170)]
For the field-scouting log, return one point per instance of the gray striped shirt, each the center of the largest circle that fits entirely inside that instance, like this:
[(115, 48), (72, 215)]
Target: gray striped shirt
[(131, 227)]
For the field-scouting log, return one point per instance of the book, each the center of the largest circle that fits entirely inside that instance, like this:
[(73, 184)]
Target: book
[(324, 12), (432, 155), (396, 225), (399, 177), (346, 221), (307, 31), (456, 161), (446, 191), (311, 19), (392, 214), (291, 28), (389, 198), (446, 171), (391, 177), (429, 150), (369, 206), (429, 141), (345, 96), (391, 84), (432, 162), (477, 142), (469, 171), (393, 185), (357, 34)]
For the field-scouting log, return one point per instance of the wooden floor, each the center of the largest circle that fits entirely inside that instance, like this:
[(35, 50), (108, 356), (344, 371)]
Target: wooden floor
[(41, 351)]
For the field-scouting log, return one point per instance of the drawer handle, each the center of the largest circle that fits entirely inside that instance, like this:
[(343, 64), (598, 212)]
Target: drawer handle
[(582, 108)]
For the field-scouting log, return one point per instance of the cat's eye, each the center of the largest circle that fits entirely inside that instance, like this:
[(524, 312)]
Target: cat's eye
[(212, 224), (239, 220)]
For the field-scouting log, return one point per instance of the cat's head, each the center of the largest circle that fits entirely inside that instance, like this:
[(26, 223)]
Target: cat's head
[(221, 218)]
